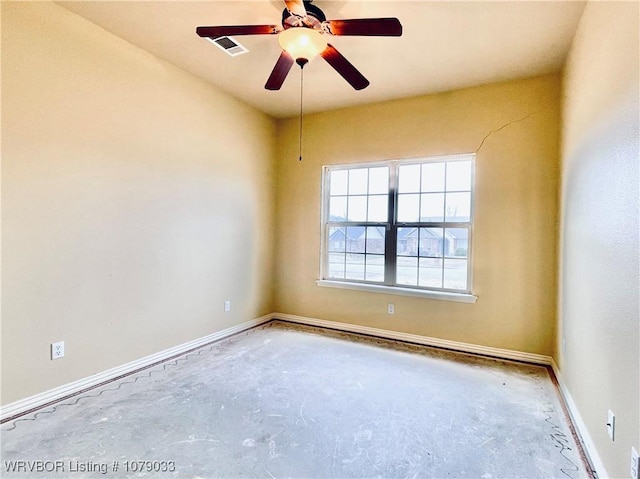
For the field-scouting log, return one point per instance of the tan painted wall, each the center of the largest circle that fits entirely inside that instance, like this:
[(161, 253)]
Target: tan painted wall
[(135, 200), (599, 264), (515, 233)]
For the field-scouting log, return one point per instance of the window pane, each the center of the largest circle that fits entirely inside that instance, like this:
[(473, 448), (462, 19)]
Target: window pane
[(431, 207), (374, 267), (355, 266), (430, 274), (375, 239), (433, 177), (456, 242), (355, 239), (357, 208), (339, 182), (459, 176), (337, 239), (409, 179), (338, 208), (336, 265), (407, 270), (379, 180), (408, 208), (358, 181), (433, 223), (377, 210), (431, 241), (455, 274), (458, 207), (407, 244)]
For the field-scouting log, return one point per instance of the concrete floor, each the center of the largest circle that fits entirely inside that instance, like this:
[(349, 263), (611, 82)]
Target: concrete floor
[(288, 401)]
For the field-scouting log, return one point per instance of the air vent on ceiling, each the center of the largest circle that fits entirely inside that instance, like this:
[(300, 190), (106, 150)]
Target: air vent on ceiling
[(229, 45)]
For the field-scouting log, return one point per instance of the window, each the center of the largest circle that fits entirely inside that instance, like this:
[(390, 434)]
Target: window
[(399, 224)]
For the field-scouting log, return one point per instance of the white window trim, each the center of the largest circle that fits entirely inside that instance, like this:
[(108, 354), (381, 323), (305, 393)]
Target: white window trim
[(462, 297), (399, 291)]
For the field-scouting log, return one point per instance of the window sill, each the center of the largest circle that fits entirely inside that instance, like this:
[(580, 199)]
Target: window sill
[(420, 293)]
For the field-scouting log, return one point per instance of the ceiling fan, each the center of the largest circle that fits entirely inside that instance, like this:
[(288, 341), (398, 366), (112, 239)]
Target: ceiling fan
[(302, 36)]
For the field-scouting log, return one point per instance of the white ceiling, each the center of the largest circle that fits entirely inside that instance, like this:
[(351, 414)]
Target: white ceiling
[(446, 45)]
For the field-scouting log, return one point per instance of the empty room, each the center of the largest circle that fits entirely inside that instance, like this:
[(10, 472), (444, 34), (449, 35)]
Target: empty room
[(328, 239)]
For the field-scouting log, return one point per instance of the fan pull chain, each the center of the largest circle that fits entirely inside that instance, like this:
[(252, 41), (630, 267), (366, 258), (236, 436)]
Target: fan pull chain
[(301, 91)]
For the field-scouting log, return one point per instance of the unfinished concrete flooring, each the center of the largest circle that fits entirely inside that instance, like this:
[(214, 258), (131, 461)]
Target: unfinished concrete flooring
[(289, 401)]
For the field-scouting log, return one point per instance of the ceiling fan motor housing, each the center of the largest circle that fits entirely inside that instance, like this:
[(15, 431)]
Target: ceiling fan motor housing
[(314, 18)]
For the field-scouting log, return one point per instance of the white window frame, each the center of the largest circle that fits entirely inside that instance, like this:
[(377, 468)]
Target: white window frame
[(392, 226)]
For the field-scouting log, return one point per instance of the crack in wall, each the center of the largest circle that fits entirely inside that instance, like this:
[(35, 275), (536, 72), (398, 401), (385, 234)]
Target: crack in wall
[(505, 126)]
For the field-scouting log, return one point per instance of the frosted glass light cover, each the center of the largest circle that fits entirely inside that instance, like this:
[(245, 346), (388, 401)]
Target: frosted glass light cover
[(302, 42)]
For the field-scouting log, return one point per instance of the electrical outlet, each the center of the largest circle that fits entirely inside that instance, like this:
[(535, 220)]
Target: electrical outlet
[(611, 424), (635, 464), (57, 350), (227, 306), (391, 308)]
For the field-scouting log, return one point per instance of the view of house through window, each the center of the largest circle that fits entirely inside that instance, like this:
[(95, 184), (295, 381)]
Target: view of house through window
[(400, 223)]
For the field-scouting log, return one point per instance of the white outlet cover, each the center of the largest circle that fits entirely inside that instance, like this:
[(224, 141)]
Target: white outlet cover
[(391, 308), (227, 306), (57, 350)]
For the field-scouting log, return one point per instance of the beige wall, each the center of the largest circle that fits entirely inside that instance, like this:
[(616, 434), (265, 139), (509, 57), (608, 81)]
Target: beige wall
[(135, 200), (515, 231), (599, 265)]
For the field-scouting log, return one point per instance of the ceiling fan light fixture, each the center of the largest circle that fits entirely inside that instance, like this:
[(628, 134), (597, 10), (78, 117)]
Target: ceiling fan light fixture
[(302, 42)]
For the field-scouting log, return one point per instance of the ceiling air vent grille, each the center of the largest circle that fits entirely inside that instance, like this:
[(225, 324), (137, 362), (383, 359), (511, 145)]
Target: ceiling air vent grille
[(229, 45)]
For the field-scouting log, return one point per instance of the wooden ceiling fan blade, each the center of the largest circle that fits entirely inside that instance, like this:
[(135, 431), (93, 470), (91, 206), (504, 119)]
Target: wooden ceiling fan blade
[(296, 7), (280, 71), (228, 30), (344, 68), (379, 27)]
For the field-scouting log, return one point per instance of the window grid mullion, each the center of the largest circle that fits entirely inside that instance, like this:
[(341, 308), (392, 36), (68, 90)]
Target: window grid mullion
[(364, 258), (391, 239), (344, 260), (366, 230), (444, 220), (366, 208)]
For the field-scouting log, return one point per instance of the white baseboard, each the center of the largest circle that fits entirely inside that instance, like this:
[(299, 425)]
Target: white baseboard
[(48, 397), (39, 400), (585, 438), (416, 339)]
